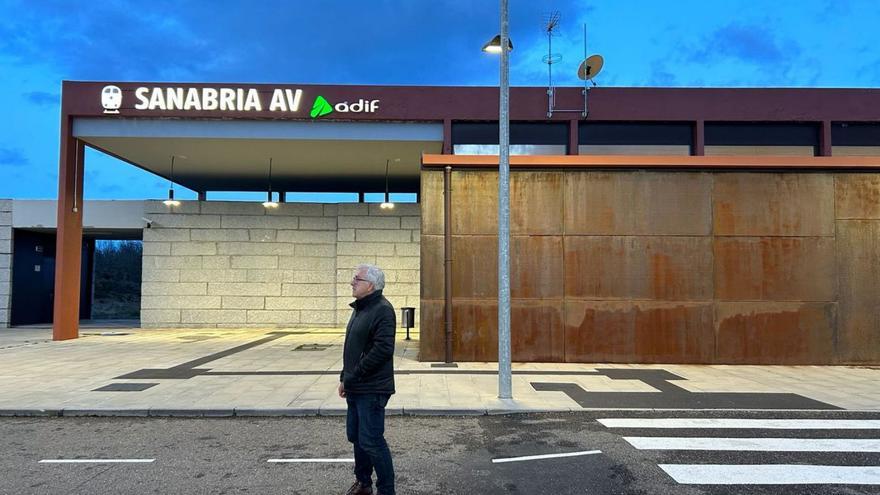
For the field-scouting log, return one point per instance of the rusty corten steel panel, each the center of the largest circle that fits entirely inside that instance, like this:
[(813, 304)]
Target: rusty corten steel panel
[(432, 343), (432, 202), (643, 267), (638, 331), (536, 331), (751, 204), (431, 272), (775, 332), (536, 203), (536, 267), (857, 195), (474, 202), (475, 330), (475, 266), (775, 269), (858, 251), (649, 203), (772, 285), (677, 334)]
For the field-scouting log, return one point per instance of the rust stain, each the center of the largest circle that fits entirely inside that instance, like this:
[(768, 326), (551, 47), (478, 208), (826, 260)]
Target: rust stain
[(775, 334), (665, 279), (753, 338), (724, 218), (867, 193), (858, 196), (607, 218)]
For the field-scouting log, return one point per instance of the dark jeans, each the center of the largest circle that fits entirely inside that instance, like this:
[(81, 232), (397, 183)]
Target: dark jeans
[(365, 427)]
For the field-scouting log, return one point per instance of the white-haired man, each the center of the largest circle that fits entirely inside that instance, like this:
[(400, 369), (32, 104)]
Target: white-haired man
[(367, 380)]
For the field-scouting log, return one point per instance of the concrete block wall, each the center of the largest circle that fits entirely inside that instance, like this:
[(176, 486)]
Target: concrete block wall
[(237, 264), (5, 260), (390, 240)]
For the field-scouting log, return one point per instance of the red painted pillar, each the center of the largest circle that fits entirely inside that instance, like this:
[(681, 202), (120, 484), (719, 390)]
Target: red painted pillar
[(68, 246), (699, 148), (447, 136), (573, 140), (825, 138)]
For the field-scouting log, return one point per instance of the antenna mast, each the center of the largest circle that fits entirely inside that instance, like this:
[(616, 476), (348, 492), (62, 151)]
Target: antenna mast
[(550, 59), (588, 69)]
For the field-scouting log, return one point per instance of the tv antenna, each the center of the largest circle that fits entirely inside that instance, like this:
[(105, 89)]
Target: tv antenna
[(551, 58), (588, 70)]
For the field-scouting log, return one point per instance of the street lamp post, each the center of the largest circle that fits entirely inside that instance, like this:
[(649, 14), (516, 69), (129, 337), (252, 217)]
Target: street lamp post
[(495, 46), (504, 364)]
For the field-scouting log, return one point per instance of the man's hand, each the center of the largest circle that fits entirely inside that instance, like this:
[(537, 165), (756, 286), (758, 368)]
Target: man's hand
[(341, 390)]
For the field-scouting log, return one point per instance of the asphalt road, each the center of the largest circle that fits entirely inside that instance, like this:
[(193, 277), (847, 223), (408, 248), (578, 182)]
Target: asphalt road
[(432, 455)]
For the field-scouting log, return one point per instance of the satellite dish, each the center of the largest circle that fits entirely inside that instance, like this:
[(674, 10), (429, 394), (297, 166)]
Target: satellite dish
[(590, 67)]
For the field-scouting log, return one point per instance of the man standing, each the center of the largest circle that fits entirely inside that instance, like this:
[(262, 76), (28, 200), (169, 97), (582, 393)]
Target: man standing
[(367, 380)]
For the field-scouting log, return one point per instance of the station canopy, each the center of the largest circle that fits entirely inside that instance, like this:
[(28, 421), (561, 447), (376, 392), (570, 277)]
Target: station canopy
[(233, 155)]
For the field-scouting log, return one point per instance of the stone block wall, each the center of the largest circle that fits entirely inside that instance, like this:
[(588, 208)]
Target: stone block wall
[(5, 260), (237, 264)]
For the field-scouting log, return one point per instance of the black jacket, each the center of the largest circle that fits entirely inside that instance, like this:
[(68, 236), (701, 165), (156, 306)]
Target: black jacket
[(368, 354)]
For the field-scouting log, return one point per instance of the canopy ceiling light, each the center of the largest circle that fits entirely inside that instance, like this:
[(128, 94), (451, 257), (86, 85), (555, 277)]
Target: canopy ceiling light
[(269, 203), (171, 201), (494, 45), (387, 204)]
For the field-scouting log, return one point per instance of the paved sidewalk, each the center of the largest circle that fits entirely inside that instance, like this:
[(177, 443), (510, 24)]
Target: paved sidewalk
[(258, 372)]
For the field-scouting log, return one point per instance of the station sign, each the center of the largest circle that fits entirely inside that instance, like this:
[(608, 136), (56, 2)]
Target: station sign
[(223, 99)]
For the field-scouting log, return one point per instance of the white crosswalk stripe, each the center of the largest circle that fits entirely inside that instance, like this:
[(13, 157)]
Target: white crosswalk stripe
[(756, 443), (771, 474), (751, 424)]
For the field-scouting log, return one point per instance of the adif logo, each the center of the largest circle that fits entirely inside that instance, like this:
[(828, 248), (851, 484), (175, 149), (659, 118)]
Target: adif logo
[(323, 107), (111, 99)]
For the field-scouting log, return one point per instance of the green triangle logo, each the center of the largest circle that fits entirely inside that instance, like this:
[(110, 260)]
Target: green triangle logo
[(320, 108)]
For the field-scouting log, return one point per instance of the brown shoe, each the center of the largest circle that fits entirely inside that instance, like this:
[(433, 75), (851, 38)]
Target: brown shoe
[(359, 488)]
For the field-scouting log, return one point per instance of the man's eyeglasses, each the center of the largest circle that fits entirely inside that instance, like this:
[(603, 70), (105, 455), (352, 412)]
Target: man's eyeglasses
[(358, 279)]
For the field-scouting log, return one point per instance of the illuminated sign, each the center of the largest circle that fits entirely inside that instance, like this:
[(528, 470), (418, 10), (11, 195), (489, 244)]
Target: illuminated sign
[(209, 99), (111, 99), (322, 107)]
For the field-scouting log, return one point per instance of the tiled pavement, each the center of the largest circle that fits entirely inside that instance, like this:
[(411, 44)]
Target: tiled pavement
[(223, 372)]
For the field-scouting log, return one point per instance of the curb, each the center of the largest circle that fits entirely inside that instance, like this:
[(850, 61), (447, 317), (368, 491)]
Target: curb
[(128, 413), (238, 413), (337, 412), (444, 412), (30, 412), (192, 413), (270, 413)]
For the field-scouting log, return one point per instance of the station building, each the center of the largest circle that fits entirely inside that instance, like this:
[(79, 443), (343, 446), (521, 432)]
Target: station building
[(668, 225)]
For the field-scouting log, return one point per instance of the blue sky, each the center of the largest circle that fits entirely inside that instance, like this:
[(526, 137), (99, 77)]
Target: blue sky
[(694, 43)]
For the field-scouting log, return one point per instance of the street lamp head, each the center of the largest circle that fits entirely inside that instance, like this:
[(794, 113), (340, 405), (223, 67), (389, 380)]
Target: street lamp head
[(494, 45)]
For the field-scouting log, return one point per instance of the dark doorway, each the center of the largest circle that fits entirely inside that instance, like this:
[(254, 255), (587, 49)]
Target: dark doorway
[(33, 277), (117, 276)]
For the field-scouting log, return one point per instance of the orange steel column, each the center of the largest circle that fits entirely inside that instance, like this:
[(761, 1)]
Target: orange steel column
[(68, 246)]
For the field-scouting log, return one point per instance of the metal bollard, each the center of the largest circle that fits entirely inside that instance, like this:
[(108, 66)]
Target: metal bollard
[(407, 318)]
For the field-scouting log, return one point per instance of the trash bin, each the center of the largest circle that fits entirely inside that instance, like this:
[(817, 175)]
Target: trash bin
[(407, 319)]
